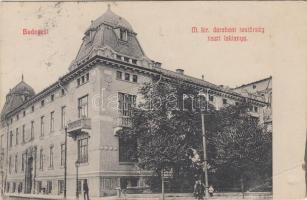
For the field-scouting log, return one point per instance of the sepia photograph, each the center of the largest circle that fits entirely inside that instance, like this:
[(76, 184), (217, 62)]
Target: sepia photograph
[(145, 100)]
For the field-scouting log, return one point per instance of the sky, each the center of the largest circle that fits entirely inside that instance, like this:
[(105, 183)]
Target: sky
[(164, 31)]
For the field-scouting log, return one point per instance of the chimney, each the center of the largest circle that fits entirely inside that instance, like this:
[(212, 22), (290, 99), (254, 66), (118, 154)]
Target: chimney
[(180, 71), (203, 77)]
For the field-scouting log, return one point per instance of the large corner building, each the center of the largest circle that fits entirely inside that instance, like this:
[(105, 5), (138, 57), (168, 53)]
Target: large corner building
[(92, 100)]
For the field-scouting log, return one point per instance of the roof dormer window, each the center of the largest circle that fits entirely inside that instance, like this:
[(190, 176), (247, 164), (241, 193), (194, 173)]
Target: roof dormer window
[(123, 34)]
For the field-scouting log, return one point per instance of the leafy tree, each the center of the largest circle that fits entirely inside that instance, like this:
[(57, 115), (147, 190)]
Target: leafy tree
[(243, 149), (167, 126)]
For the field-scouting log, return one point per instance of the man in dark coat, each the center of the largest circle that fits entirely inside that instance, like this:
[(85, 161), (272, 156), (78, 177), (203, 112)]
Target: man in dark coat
[(85, 190), (305, 168), (199, 190)]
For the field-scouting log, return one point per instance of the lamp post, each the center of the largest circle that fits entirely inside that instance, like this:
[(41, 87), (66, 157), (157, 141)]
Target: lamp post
[(205, 169), (77, 179), (65, 164)]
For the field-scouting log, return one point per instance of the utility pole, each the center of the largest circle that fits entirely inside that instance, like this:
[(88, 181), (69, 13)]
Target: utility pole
[(205, 169), (65, 164), (162, 179), (205, 153), (77, 179)]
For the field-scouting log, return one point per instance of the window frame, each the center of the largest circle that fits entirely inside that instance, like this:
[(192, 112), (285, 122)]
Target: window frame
[(63, 116), (134, 78), (42, 126), (83, 107), (83, 144), (32, 130), (51, 154), (51, 128)]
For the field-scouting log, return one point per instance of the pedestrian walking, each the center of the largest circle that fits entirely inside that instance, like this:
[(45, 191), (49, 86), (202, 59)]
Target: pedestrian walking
[(211, 190), (85, 190), (199, 190), (123, 188)]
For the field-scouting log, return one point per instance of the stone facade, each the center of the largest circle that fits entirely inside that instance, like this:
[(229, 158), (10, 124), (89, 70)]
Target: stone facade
[(86, 101)]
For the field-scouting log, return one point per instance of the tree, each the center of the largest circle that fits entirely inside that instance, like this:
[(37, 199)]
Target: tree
[(167, 125), (242, 148)]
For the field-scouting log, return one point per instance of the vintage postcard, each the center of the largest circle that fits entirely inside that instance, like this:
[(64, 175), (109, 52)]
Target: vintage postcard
[(153, 100)]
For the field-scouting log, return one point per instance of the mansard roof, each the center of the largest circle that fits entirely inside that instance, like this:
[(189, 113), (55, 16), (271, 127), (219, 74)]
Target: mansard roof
[(104, 33), (112, 19), (17, 96)]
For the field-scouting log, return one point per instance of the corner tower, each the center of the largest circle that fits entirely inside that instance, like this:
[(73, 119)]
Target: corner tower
[(16, 97), (111, 36)]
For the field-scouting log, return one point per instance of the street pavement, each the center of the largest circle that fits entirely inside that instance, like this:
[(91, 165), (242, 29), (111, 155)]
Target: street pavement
[(168, 196), (217, 196)]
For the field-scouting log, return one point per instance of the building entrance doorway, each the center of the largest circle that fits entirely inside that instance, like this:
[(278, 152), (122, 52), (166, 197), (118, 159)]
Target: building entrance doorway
[(28, 175)]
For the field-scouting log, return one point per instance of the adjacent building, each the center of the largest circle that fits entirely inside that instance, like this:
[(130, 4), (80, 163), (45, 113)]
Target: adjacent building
[(91, 102), (261, 90)]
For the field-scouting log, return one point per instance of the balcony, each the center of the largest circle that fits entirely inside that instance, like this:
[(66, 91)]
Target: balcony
[(123, 121), (76, 127)]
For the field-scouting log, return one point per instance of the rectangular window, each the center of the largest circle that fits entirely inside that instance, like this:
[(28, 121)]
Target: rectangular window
[(127, 150), (14, 187), (32, 130), (10, 164), (24, 113), (16, 163), (78, 82), (62, 154), (211, 98), (39, 186), (60, 187), (224, 101), (62, 92), (63, 116), (87, 77), (41, 159), (49, 187), (127, 77), (42, 103), (32, 108), (1, 141), (126, 59), (51, 156), (134, 61), (119, 75), (52, 97), (17, 136), (237, 103), (83, 107), (83, 150), (126, 103), (135, 78), (123, 35), (23, 158), (256, 109), (52, 121), (23, 133), (11, 138), (42, 125)]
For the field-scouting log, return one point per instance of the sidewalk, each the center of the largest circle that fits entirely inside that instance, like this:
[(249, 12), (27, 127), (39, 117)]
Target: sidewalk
[(168, 196), (178, 196)]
